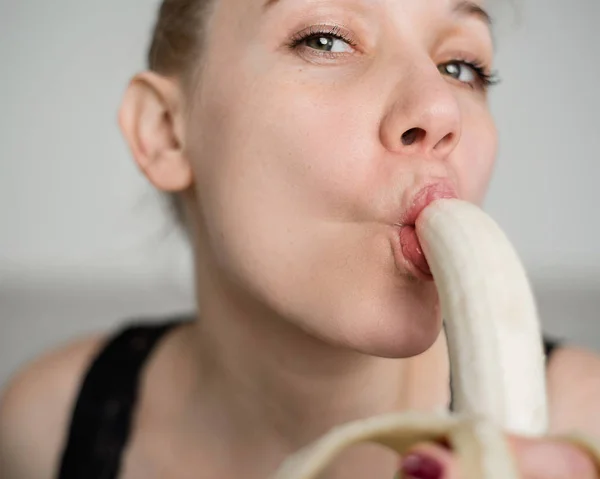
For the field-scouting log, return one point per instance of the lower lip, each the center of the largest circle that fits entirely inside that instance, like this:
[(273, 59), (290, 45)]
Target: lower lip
[(413, 253), (409, 244)]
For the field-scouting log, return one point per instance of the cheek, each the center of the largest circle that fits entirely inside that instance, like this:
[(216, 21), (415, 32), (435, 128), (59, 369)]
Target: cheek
[(303, 147), (329, 153), (477, 157), (273, 159)]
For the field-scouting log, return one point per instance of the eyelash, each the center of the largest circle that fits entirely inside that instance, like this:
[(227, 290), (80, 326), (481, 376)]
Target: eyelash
[(486, 79)]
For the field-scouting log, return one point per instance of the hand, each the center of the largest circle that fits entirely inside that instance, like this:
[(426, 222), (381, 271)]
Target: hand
[(535, 458)]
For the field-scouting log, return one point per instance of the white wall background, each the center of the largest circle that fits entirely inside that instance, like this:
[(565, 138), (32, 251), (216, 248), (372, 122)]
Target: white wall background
[(82, 243)]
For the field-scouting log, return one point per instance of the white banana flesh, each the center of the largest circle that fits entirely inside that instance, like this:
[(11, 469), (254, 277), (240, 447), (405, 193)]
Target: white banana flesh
[(496, 355), (494, 337)]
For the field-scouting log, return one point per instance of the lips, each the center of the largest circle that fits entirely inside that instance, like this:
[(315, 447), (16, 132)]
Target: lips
[(423, 198), (409, 241), (412, 251)]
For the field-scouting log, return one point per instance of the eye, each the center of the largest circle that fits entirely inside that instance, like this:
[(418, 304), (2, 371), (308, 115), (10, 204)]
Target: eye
[(459, 71), (328, 43), (324, 39), (470, 73)]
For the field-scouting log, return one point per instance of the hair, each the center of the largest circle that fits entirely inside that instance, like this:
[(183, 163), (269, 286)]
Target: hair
[(176, 47), (178, 37)]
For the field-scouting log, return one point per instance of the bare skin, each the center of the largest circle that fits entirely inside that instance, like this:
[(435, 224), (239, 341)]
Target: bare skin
[(294, 170)]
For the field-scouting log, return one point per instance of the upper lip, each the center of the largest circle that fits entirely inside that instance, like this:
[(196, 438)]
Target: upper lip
[(418, 199)]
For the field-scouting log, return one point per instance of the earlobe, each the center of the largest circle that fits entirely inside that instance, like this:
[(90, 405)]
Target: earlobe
[(151, 121)]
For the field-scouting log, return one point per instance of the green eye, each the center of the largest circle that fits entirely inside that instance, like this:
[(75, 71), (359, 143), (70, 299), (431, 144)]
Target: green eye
[(460, 71), (472, 74), (328, 43), (320, 42), (325, 39)]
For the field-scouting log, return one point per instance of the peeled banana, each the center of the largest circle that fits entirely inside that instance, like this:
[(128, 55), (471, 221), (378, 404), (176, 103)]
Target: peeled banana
[(496, 356)]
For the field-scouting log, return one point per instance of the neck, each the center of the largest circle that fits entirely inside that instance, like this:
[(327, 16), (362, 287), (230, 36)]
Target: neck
[(268, 388)]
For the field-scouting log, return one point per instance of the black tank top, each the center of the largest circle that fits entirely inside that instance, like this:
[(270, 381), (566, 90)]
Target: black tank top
[(101, 421)]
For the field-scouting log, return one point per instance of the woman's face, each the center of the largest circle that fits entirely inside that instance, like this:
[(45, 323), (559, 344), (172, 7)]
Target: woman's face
[(315, 125)]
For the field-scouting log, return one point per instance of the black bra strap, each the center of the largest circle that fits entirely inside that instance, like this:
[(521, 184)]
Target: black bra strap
[(550, 345), (102, 417), (101, 421)]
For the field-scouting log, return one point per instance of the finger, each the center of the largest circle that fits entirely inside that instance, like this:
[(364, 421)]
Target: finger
[(551, 459), (429, 461), (536, 459)]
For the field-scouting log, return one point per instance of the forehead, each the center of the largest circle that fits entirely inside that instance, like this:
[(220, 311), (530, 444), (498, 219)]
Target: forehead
[(474, 8), (455, 11), (274, 17)]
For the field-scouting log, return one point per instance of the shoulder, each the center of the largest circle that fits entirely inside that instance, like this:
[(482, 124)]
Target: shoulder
[(35, 409), (574, 390)]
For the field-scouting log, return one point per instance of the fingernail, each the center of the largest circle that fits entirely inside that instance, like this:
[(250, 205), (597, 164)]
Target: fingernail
[(417, 466)]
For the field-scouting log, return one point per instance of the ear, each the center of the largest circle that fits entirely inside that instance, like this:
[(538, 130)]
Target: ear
[(151, 119)]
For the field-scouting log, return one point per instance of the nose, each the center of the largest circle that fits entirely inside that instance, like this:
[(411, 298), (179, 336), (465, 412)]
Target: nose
[(424, 117)]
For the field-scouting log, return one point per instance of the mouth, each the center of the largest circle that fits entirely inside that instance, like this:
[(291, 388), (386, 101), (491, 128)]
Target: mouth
[(410, 250), (413, 253)]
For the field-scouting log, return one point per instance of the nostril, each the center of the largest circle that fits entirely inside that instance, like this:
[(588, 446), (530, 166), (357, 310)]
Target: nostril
[(447, 140), (412, 136)]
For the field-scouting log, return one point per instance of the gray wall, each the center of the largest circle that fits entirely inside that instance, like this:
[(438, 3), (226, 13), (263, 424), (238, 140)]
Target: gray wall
[(84, 241)]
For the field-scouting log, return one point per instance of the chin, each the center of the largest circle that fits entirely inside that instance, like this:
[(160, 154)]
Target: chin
[(394, 341), (412, 345), (404, 327)]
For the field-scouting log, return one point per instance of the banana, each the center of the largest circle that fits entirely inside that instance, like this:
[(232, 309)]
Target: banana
[(493, 332), (496, 356)]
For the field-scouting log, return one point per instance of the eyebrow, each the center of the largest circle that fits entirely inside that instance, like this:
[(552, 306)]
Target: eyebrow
[(464, 8)]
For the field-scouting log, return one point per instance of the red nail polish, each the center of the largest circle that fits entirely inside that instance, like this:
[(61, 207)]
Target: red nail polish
[(416, 466)]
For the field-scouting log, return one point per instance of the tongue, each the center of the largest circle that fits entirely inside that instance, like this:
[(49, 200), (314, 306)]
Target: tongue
[(411, 248)]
